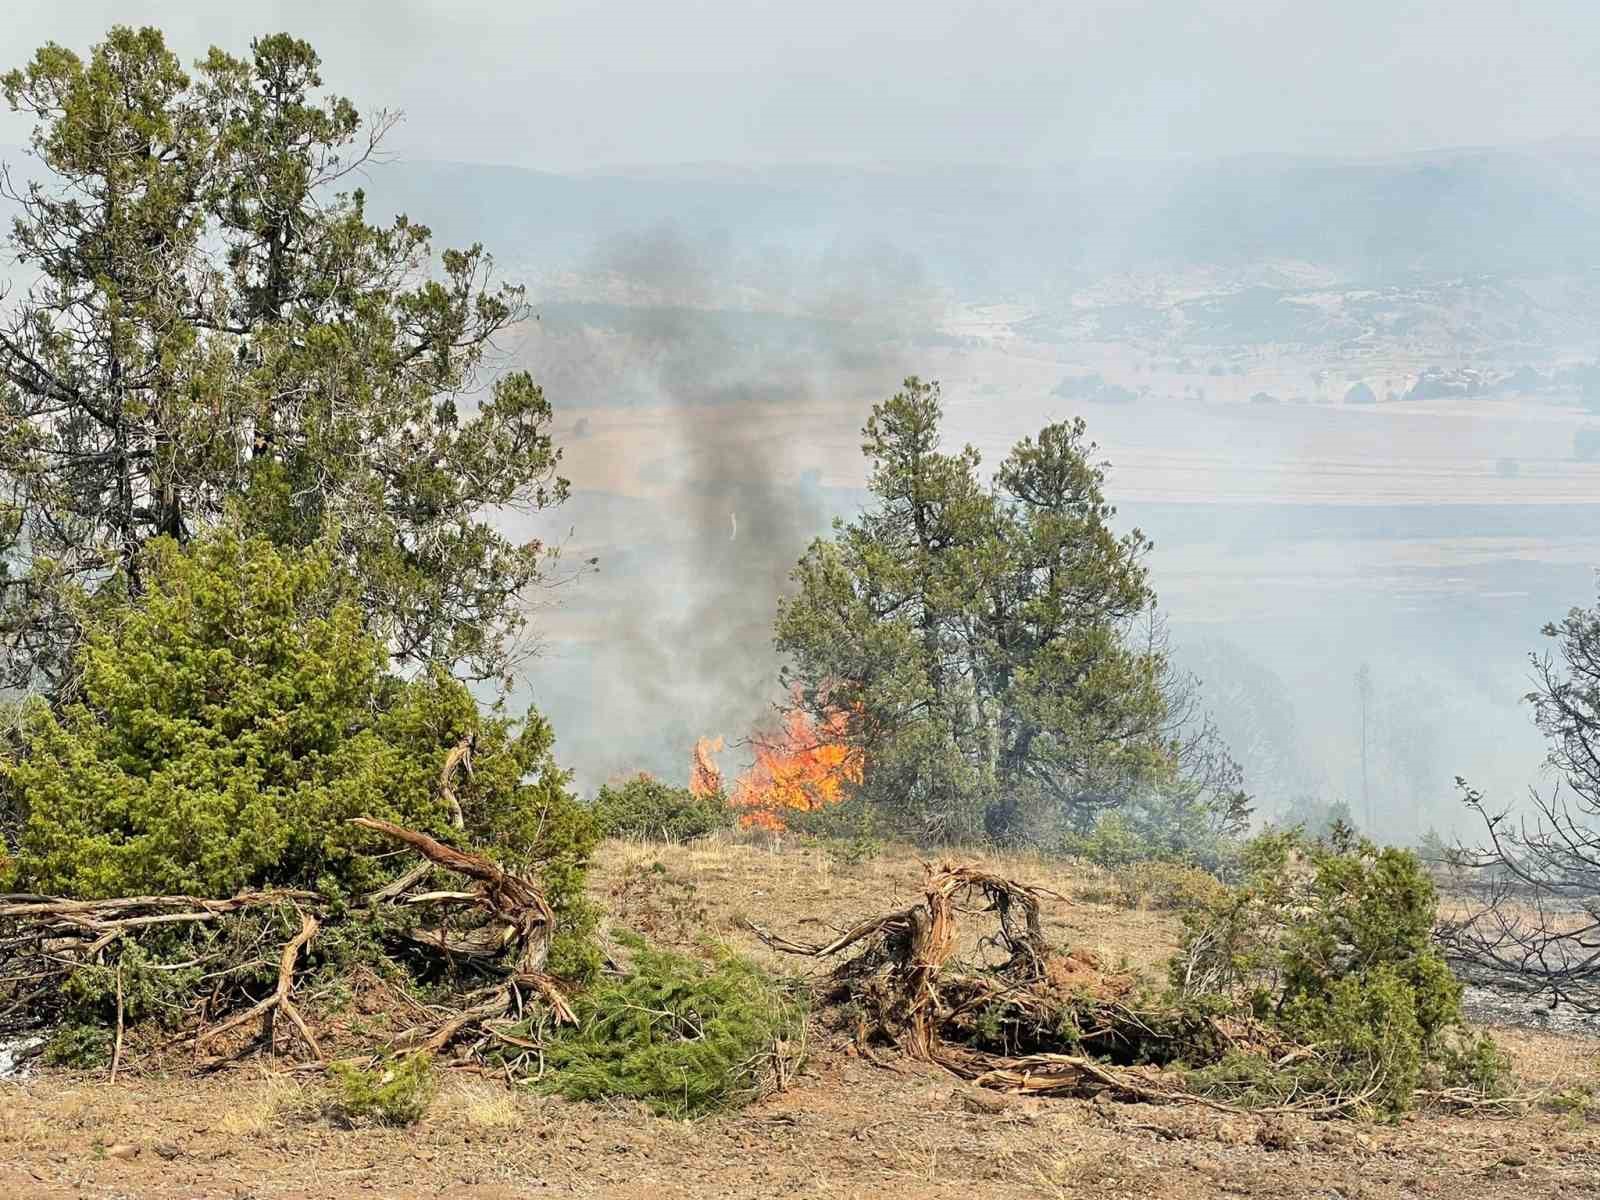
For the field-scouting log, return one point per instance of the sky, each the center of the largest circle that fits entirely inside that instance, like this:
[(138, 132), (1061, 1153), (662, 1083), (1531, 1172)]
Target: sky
[(574, 86)]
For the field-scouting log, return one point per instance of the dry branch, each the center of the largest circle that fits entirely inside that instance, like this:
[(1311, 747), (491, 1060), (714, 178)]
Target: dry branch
[(278, 1000), (49, 939), (513, 900), (898, 968), (460, 756)]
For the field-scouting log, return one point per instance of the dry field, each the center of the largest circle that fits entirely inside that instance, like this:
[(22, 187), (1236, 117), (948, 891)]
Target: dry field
[(844, 1128)]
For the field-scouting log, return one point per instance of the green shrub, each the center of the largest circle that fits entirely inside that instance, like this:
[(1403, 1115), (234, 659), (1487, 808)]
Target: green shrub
[(1111, 842), (1173, 826), (645, 807), (1577, 1101), (1315, 817), (1167, 886), (1332, 944), (391, 1093), (850, 832), (1474, 1063), (227, 725), (79, 1045), (684, 1036)]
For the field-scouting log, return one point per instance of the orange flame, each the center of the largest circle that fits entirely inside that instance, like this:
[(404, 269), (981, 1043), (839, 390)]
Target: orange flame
[(705, 777), (805, 768)]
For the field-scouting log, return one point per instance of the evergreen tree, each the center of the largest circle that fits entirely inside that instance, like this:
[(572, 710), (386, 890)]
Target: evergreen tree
[(212, 319), (979, 641), (228, 724)]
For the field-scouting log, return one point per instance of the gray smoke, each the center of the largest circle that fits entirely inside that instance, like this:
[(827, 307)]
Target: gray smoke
[(700, 519)]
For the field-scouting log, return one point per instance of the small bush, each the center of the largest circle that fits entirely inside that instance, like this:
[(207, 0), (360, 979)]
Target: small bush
[(1167, 886), (79, 1045), (1176, 826), (853, 852), (683, 1036), (1111, 842), (1332, 944), (1577, 1101), (1474, 1063), (645, 807), (392, 1093)]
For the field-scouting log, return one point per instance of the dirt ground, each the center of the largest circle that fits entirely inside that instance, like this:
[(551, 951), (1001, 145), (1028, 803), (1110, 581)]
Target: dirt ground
[(844, 1128)]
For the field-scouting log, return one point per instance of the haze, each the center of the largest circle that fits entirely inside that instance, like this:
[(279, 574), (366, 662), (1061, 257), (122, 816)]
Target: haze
[(573, 86), (1346, 371)]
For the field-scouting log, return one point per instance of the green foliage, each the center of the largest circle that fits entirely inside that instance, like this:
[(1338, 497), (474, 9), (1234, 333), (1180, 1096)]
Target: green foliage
[(1316, 818), (1476, 1064), (1332, 944), (850, 832), (684, 1036), (1167, 886), (645, 807), (227, 726), (1433, 850), (391, 1093), (977, 639), (1578, 1101), (1111, 842), (1173, 824), (79, 1045), (216, 321)]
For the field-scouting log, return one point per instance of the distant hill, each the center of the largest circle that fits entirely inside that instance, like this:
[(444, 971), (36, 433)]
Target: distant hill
[(1456, 252), (1453, 213)]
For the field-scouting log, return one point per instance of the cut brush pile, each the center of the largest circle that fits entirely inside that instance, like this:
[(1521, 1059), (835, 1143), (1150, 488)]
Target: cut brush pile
[(65, 958)]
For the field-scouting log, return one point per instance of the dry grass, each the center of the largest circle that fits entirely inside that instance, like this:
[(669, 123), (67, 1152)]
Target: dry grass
[(478, 1104), (258, 1106), (844, 1129), (803, 889)]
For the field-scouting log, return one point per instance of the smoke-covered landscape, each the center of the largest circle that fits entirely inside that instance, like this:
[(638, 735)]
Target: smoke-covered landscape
[(1356, 428), (938, 600)]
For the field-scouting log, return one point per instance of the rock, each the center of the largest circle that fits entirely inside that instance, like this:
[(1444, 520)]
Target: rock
[(979, 1100), (1275, 1135)]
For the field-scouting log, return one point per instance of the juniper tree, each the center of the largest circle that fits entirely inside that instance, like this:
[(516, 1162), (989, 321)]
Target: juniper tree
[(212, 318), (228, 725), (980, 640)]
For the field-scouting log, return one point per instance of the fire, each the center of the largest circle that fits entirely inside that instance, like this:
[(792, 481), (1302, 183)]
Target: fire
[(805, 768), (705, 777)]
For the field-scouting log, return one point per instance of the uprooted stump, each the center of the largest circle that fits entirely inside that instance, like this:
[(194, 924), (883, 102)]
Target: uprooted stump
[(896, 975), (1041, 1022)]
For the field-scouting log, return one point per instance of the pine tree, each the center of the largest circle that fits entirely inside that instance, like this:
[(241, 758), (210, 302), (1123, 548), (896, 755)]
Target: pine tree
[(214, 322), (980, 641)]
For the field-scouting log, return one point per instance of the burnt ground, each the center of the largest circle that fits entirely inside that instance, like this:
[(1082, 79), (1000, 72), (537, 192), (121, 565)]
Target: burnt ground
[(843, 1128)]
